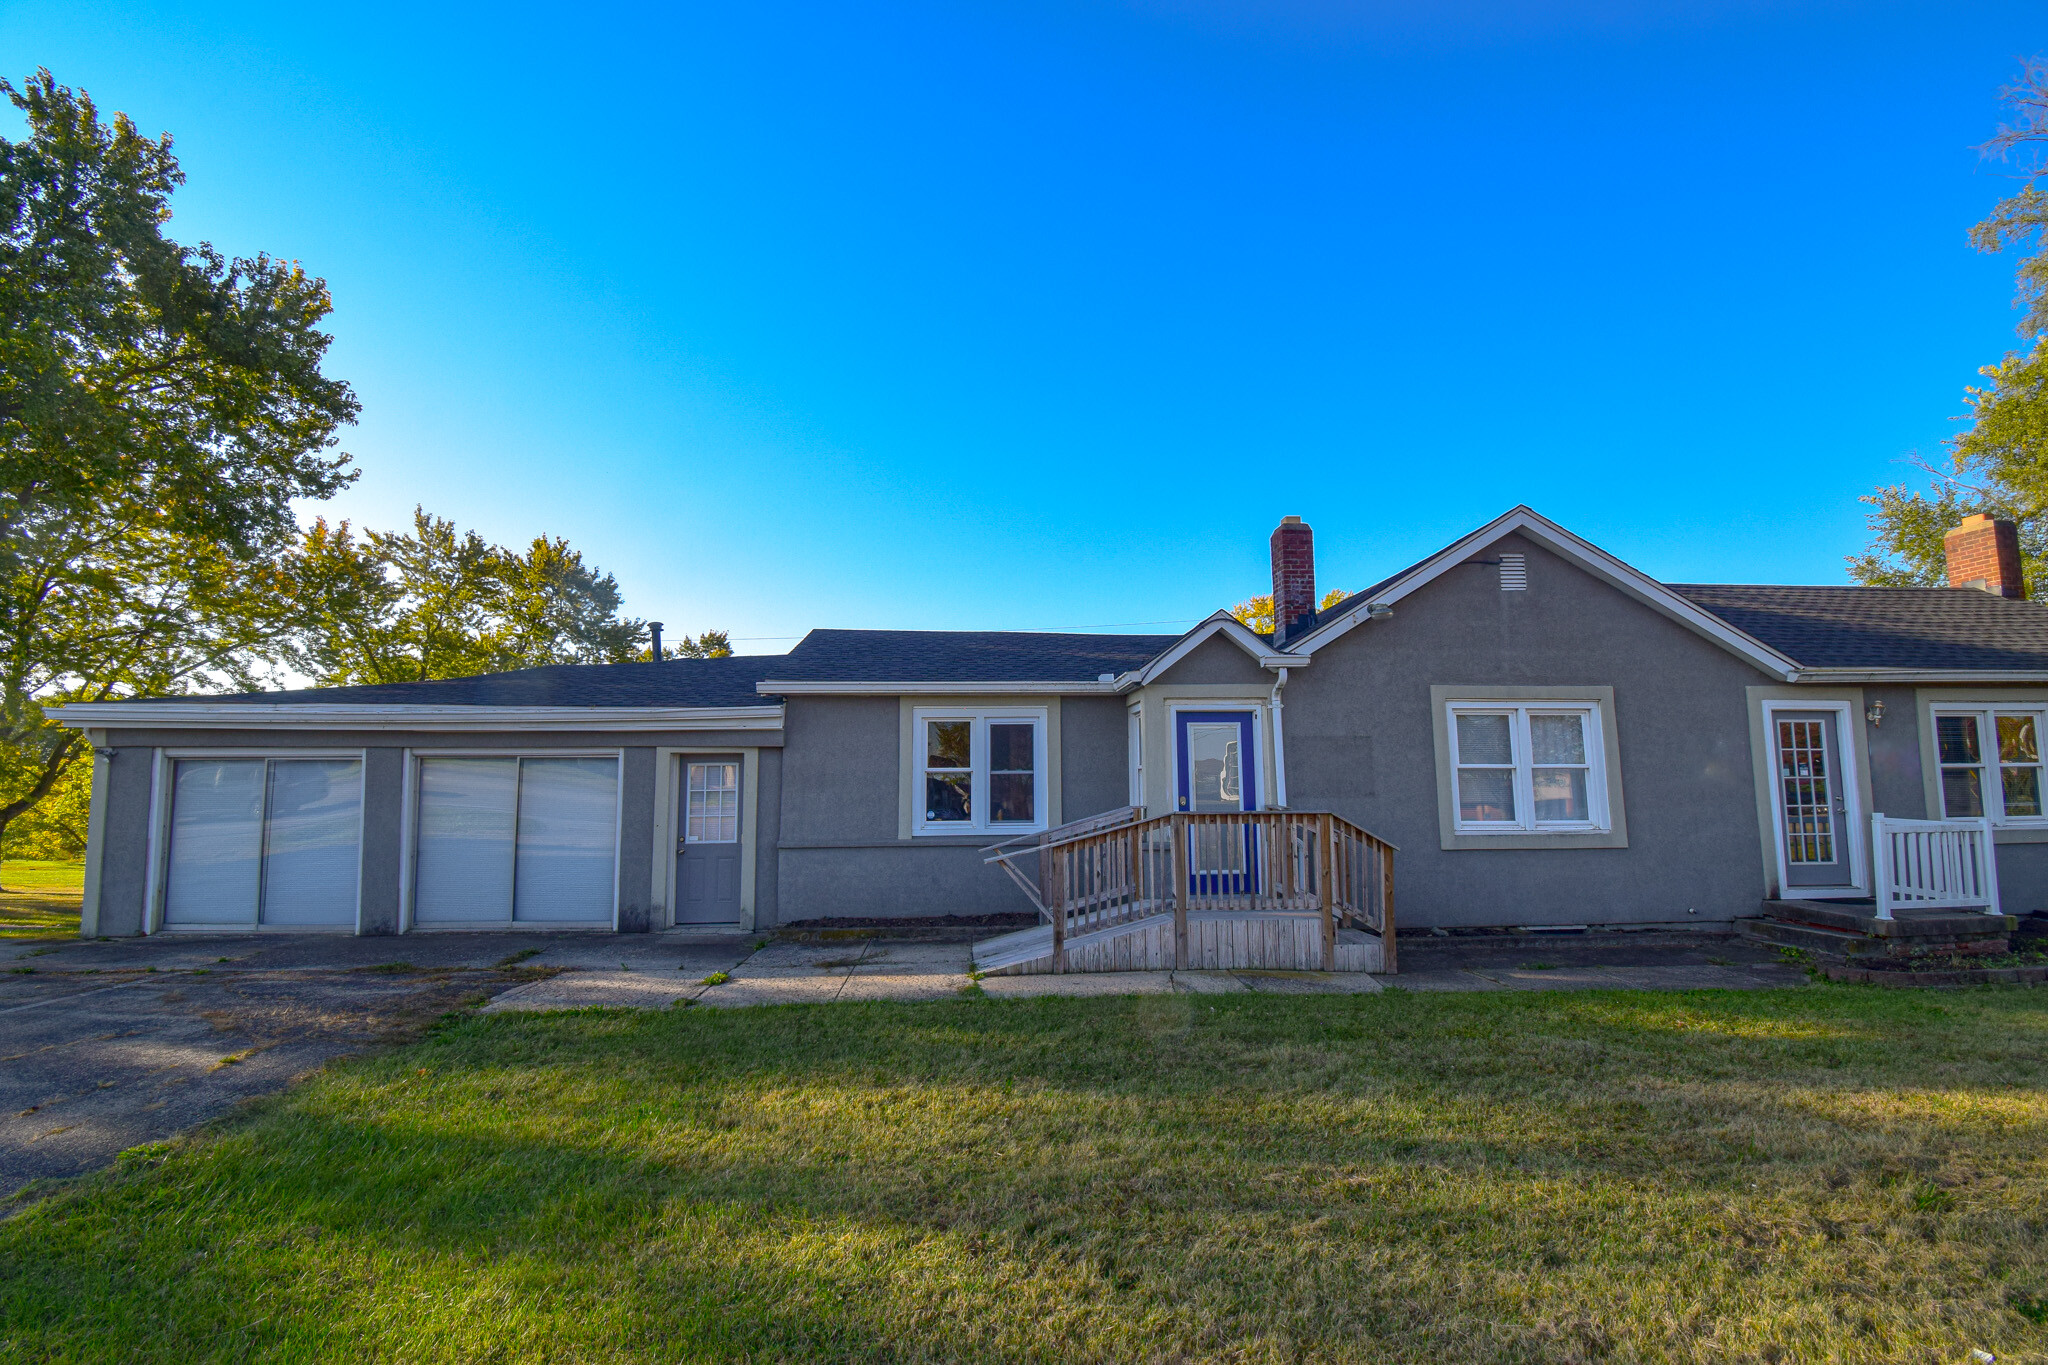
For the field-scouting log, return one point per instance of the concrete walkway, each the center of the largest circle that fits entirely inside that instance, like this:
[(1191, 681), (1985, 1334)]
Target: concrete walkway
[(882, 969)]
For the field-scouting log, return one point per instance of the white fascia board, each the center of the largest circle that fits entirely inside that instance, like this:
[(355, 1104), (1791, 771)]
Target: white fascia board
[(1237, 632), (201, 715), (1922, 676), (929, 689), (1587, 556)]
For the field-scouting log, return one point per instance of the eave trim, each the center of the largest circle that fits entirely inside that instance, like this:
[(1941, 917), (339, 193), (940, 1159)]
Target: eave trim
[(313, 716)]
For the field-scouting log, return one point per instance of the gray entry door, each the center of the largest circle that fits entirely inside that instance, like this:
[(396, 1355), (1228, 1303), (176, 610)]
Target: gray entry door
[(1813, 800), (708, 852)]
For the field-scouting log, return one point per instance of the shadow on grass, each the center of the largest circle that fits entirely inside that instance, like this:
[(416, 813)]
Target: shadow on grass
[(1447, 1178), (40, 900)]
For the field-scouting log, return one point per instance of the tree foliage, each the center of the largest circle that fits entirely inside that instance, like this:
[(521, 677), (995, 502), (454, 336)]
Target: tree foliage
[(161, 407), (437, 602), (1257, 612), (712, 644), (2000, 464)]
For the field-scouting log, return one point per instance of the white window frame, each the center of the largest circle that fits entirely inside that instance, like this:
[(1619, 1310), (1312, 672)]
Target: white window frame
[(978, 758), (1519, 712), (1988, 762), (409, 848)]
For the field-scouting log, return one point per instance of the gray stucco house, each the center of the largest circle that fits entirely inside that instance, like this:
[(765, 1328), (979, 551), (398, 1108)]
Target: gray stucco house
[(1547, 735)]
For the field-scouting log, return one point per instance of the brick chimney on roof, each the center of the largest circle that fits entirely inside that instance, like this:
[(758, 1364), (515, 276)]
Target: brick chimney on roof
[(1984, 552), (1294, 578)]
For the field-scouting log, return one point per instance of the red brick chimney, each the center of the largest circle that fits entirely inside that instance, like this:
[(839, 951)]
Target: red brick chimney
[(1984, 552), (1294, 577)]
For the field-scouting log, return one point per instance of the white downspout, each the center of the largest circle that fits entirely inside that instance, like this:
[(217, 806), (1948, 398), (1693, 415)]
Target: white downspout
[(1279, 746)]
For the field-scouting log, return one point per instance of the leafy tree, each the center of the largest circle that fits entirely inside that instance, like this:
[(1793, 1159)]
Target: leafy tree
[(2000, 464), (435, 602), (161, 406), (712, 644), (1257, 612)]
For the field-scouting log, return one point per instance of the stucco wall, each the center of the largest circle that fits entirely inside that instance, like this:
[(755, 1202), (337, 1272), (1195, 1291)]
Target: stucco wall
[(124, 861), (1216, 660), (842, 853), (1360, 741)]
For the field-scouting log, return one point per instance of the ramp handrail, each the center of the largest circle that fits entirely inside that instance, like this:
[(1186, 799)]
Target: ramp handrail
[(1127, 868), (1934, 865)]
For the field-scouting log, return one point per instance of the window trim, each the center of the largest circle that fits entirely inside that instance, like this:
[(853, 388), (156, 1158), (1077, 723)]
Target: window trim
[(1987, 747), (979, 768), (1608, 827), (1522, 764)]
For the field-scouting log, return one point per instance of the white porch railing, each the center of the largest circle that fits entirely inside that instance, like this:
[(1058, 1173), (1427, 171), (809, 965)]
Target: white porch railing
[(1934, 865)]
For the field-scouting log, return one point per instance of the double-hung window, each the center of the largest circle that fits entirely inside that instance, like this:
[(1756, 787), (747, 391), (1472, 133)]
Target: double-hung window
[(1527, 768), (1990, 760), (979, 770)]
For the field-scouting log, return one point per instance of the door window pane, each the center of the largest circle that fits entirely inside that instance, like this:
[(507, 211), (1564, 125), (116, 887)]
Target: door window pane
[(1486, 794), (1485, 739), (568, 824), (463, 858), (1215, 766), (714, 803), (312, 843), (216, 842)]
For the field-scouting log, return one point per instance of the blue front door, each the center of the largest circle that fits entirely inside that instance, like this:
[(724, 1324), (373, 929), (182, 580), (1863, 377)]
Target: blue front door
[(1217, 773)]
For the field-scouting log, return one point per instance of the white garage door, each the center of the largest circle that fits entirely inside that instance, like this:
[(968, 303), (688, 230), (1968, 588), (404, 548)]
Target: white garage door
[(273, 842), (516, 840)]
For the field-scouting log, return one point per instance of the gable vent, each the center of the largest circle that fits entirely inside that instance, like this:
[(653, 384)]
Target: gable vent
[(1514, 573)]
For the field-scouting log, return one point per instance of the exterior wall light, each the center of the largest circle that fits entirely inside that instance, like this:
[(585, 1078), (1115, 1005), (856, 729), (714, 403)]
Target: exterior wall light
[(1875, 715), (1379, 611)]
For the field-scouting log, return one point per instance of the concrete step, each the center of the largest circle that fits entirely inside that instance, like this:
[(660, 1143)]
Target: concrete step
[(1860, 917), (1849, 945)]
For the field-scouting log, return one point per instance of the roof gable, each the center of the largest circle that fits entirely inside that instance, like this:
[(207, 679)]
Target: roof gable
[(1223, 624), (1339, 620)]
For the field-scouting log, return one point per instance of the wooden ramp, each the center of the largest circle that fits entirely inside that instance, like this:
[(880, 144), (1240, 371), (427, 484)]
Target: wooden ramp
[(1216, 942), (1286, 890)]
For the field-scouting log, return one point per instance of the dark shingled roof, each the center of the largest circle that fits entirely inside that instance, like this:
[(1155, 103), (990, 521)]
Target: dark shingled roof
[(673, 682), (963, 656), (1925, 628)]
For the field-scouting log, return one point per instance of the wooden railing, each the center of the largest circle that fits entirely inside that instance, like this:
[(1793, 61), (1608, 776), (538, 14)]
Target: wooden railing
[(1934, 865), (1121, 869)]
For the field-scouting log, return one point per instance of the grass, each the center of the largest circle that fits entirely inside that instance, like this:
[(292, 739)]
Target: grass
[(40, 900), (1835, 1173)]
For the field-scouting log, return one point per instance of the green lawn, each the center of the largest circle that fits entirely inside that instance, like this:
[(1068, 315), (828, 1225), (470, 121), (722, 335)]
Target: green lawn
[(40, 900), (1838, 1173)]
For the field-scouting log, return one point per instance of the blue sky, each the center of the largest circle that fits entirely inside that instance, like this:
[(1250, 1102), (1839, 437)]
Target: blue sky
[(1040, 315)]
